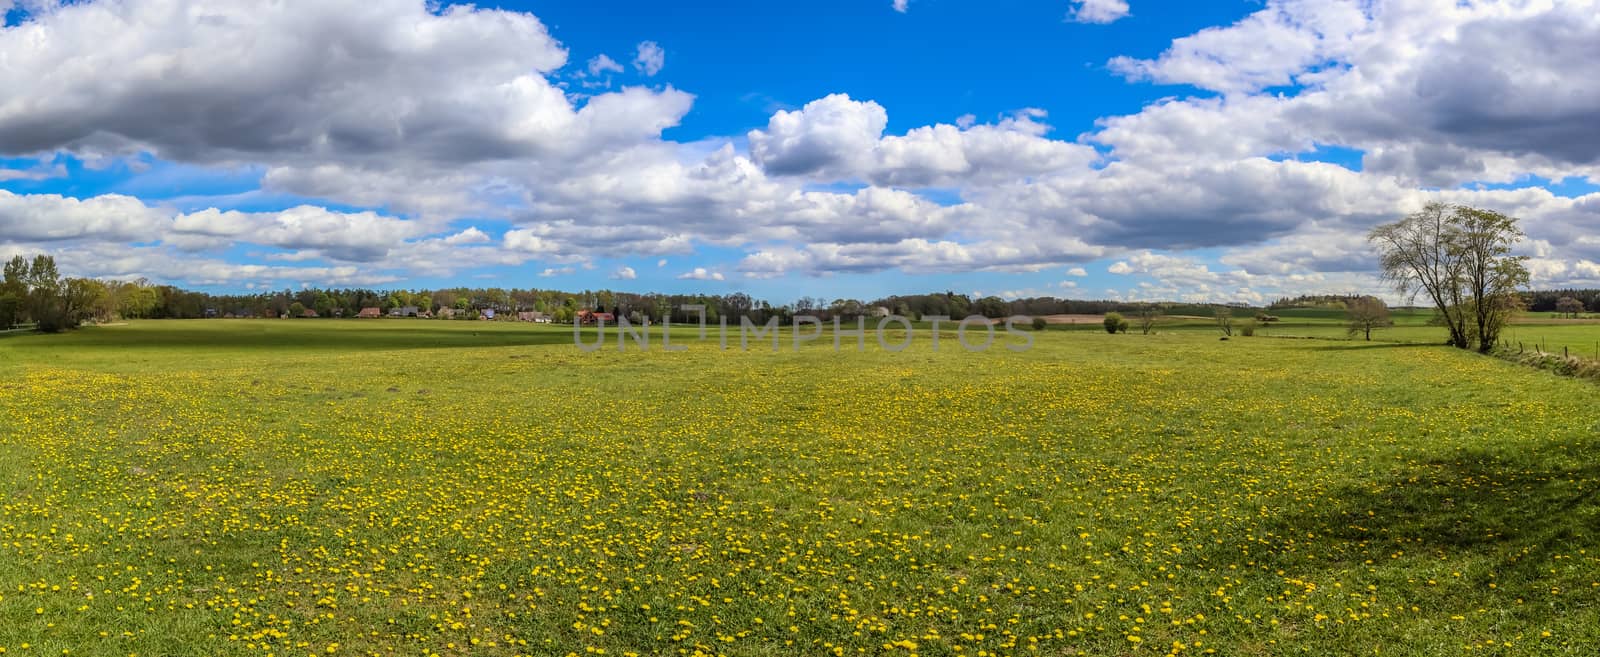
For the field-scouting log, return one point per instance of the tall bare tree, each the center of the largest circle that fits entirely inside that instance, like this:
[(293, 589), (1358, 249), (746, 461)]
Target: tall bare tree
[(1460, 258), (1485, 239), (1148, 314), (1417, 257), (1223, 315)]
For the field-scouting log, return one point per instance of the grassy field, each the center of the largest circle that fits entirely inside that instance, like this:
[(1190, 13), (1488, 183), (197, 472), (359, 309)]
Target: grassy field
[(439, 488)]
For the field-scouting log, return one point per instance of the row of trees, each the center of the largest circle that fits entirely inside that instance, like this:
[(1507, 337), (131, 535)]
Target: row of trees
[(34, 292), (1457, 257), (1566, 302)]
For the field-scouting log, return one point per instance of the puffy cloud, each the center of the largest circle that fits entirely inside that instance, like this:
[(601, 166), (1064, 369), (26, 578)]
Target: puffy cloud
[(624, 274), (828, 134), (601, 63), (1267, 48), (362, 236), (1435, 91), (469, 236), (299, 82), (52, 218), (1098, 11), (161, 263), (650, 58), (40, 171), (917, 256), (837, 138), (701, 274)]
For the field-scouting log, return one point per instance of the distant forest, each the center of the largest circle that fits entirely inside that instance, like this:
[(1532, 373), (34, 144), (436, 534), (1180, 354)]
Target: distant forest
[(35, 292), (168, 302), (171, 302)]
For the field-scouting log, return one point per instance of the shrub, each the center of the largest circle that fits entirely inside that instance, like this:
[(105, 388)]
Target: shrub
[(1247, 329), (1115, 323), (1039, 323)]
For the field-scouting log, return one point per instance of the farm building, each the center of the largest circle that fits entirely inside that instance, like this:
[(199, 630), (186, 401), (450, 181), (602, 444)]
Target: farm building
[(370, 313)]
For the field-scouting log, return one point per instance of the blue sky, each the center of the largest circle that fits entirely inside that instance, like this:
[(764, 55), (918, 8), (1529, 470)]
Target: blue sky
[(1228, 151)]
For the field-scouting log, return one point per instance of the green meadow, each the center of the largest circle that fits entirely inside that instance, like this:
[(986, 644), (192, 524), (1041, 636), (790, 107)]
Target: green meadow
[(410, 487), (1535, 331)]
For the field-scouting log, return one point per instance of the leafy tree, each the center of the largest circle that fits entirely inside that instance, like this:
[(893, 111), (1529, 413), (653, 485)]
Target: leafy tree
[(1039, 324), (10, 310), (1418, 256), (44, 294), (297, 309), (13, 293), (1365, 314), (81, 299), (992, 307), (1569, 306)]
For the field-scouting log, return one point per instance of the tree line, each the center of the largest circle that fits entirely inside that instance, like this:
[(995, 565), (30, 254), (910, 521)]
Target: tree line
[(1456, 258), (33, 292)]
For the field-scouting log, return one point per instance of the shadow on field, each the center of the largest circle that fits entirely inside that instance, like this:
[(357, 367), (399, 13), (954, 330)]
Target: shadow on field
[(1527, 522), (1351, 345)]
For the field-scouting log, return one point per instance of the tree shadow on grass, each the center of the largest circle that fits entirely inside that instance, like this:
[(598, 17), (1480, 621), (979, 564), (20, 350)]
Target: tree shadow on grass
[(1354, 345), (1457, 531)]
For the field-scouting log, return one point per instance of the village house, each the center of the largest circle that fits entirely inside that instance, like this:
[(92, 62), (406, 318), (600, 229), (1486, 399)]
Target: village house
[(371, 312)]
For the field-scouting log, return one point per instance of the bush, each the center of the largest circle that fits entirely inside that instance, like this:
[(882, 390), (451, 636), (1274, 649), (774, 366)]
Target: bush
[(1247, 329), (1115, 323), (1039, 323)]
